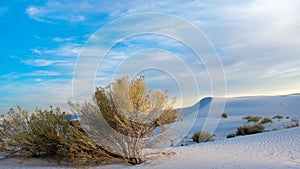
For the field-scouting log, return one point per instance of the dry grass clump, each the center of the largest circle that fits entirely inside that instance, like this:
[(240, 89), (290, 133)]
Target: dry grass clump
[(266, 120), (254, 119), (202, 136), (279, 117), (231, 135), (248, 129), (224, 115)]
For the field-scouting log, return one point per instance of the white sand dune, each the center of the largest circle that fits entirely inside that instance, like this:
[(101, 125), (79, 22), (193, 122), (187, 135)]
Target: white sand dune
[(271, 150), (237, 108)]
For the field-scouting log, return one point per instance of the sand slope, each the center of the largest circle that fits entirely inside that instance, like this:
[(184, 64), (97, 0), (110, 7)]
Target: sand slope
[(272, 150)]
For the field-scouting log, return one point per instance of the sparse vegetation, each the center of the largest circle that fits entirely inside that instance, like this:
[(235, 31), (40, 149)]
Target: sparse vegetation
[(295, 122), (224, 115), (48, 133), (254, 119), (292, 125), (231, 135), (130, 110), (202, 136), (250, 129), (279, 117), (266, 120)]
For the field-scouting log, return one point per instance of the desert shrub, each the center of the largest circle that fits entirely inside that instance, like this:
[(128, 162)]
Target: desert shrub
[(266, 120), (254, 119), (295, 123), (224, 115), (124, 114), (231, 135), (48, 133), (248, 129), (295, 120), (279, 117), (202, 136)]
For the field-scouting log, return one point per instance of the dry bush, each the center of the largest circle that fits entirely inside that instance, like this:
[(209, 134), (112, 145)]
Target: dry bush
[(266, 120), (48, 133), (231, 135), (247, 129), (224, 115), (254, 119), (124, 115), (202, 136), (279, 117)]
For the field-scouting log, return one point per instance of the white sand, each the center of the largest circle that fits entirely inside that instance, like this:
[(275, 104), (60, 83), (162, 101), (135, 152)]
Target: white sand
[(271, 150)]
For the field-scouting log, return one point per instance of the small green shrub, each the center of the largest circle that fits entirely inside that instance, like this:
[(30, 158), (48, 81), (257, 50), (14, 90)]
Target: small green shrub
[(266, 120), (254, 119), (202, 136), (224, 115), (231, 135), (248, 129)]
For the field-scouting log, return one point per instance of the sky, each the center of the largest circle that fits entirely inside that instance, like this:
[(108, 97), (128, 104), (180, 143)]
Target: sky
[(257, 42)]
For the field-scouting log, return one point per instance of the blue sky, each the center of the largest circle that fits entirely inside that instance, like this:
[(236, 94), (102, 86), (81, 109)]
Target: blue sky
[(257, 41)]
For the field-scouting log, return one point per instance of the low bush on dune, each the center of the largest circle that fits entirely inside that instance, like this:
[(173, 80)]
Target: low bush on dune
[(250, 129), (231, 135), (266, 120), (202, 136), (254, 119), (295, 123), (48, 133), (279, 117), (224, 115)]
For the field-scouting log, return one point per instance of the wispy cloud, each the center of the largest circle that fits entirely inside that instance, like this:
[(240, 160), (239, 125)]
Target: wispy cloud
[(38, 73), (54, 10), (44, 62), (67, 49), (65, 39)]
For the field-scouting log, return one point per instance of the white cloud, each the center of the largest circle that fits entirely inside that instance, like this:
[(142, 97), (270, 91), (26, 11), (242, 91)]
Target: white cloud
[(69, 49), (72, 11), (38, 73), (43, 62), (65, 50), (54, 10), (66, 39)]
